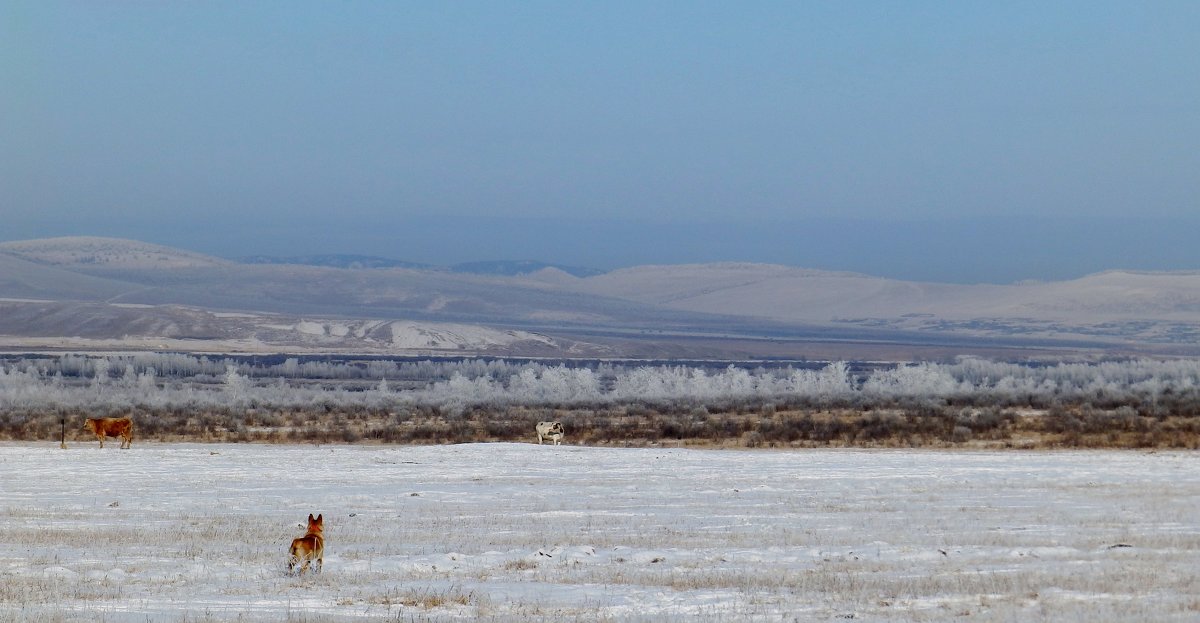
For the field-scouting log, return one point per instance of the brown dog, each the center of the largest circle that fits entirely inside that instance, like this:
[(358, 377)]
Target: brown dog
[(309, 547), (112, 427)]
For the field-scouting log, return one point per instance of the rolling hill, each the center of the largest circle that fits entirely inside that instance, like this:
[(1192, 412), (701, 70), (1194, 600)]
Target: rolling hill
[(794, 294), (103, 291)]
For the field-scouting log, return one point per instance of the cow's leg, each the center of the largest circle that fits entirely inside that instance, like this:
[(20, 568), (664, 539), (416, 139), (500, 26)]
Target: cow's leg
[(101, 438)]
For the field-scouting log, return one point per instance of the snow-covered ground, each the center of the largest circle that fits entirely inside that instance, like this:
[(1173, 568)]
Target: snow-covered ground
[(517, 532)]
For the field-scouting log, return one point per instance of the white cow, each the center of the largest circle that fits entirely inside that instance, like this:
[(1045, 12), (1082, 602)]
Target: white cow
[(549, 430)]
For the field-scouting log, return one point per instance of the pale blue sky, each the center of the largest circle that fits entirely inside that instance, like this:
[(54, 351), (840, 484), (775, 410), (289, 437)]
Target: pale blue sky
[(456, 131)]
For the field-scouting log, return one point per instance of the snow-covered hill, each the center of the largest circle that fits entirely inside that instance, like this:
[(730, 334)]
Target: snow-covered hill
[(650, 305), (23, 278), (786, 293), (40, 324), (763, 290), (107, 253)]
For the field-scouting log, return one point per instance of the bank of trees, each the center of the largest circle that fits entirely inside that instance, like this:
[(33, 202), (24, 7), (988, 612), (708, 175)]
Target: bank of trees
[(186, 381), (1134, 403)]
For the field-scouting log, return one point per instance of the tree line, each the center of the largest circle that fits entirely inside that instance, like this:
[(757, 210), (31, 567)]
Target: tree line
[(172, 380)]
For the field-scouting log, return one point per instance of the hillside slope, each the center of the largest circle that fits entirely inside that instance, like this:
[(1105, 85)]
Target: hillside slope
[(107, 253), (22, 278), (656, 305), (791, 294)]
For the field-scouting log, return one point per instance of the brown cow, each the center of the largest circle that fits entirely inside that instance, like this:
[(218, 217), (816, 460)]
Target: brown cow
[(112, 427)]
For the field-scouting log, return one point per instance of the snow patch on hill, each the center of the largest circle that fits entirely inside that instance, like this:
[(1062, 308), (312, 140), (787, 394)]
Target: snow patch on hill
[(552, 275), (411, 335), (404, 335)]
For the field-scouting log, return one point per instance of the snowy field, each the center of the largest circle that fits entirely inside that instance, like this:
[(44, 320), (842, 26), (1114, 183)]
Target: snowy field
[(520, 532)]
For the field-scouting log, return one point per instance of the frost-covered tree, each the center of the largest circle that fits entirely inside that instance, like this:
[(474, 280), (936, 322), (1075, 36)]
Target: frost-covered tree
[(193, 382)]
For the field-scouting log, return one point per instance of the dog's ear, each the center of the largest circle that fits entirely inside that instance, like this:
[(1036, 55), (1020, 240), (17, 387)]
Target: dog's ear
[(319, 519), (310, 517)]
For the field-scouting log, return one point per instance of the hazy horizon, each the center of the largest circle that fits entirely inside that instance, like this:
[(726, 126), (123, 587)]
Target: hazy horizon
[(925, 141)]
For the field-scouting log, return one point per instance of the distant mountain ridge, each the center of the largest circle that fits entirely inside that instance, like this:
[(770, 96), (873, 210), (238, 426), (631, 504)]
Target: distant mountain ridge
[(63, 287), (335, 260), (509, 268), (513, 268)]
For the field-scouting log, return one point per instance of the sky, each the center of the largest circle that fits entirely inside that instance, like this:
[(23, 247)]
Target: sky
[(948, 141)]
